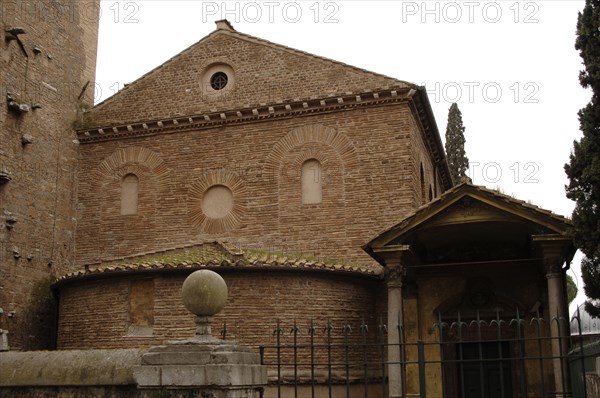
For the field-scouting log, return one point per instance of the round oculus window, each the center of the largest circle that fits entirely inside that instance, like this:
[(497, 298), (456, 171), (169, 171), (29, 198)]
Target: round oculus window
[(217, 201), (219, 80)]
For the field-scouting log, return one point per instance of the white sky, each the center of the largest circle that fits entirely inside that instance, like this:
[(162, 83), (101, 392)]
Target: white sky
[(510, 65)]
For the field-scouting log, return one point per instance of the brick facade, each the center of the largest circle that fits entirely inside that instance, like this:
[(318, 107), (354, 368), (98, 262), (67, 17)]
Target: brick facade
[(261, 73), (366, 132), (376, 168), (49, 70), (86, 307), (202, 163), (174, 137)]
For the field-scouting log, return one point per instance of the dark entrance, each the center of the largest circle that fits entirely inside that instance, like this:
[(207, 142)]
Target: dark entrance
[(484, 370)]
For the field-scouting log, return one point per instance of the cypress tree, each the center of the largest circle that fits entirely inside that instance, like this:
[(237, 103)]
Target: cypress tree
[(571, 289), (583, 169), (455, 145)]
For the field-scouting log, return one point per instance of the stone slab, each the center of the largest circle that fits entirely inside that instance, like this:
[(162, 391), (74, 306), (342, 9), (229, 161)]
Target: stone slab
[(69, 368), (188, 376), (214, 375), (199, 358), (192, 346), (147, 375)]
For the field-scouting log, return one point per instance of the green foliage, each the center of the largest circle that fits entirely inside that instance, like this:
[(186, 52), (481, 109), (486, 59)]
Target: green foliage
[(583, 169), (571, 289), (455, 145)]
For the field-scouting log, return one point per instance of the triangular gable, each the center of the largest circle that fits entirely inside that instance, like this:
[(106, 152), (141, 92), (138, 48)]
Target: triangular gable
[(492, 207), (261, 73)]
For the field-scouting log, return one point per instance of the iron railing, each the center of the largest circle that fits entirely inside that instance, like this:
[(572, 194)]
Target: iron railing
[(484, 355)]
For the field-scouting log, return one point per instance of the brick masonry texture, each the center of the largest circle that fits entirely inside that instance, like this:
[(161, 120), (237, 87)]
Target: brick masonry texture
[(362, 192), (370, 160), (263, 74), (66, 198), (256, 301), (60, 41)]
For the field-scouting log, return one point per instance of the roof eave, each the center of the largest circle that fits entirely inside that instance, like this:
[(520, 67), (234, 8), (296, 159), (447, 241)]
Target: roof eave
[(341, 102), (99, 275), (433, 137)]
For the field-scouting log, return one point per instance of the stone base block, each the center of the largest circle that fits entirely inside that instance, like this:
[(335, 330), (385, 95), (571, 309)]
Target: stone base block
[(200, 375), (218, 365)]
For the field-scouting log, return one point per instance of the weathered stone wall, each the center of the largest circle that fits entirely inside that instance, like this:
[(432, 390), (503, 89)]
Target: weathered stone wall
[(97, 314), (367, 181), (85, 374), (112, 392), (47, 76), (69, 368)]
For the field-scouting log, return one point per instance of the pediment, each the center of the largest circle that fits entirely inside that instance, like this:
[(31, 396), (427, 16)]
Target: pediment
[(470, 222), (469, 209), (256, 72)]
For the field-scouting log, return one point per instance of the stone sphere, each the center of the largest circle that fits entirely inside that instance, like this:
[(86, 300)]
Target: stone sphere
[(204, 293)]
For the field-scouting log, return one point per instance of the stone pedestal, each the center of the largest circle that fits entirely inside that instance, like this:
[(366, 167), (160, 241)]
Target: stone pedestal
[(224, 366), (217, 368)]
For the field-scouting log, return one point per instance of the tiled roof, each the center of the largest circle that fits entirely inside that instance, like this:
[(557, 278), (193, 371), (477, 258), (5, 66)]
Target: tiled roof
[(215, 255)]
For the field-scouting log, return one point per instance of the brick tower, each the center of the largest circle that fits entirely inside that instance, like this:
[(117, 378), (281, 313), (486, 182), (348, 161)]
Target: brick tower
[(47, 64)]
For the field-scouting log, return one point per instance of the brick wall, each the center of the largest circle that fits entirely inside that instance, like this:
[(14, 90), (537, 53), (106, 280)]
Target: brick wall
[(95, 314), (367, 179), (63, 204), (421, 157), (369, 157), (260, 73), (60, 41)]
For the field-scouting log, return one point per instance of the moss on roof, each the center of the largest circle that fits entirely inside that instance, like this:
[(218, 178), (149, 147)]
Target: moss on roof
[(217, 255)]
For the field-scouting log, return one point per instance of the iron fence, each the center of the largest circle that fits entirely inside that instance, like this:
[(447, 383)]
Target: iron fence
[(484, 355)]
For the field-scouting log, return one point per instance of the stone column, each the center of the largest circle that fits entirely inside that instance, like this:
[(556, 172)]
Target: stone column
[(393, 275), (557, 316)]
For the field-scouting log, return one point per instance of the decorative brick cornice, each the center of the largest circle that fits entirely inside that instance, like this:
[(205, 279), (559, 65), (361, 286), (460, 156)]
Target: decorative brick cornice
[(248, 114)]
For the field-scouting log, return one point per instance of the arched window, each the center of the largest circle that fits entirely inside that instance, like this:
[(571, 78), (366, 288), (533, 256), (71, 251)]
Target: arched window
[(129, 194), (312, 189)]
